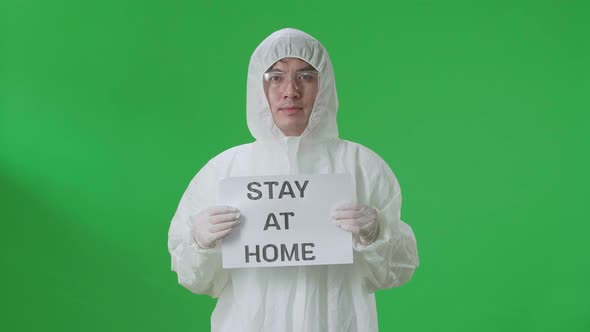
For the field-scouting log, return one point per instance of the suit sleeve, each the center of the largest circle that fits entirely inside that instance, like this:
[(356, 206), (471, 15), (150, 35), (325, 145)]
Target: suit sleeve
[(390, 261), (198, 270)]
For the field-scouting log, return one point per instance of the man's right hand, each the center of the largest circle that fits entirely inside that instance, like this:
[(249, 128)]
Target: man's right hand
[(213, 224)]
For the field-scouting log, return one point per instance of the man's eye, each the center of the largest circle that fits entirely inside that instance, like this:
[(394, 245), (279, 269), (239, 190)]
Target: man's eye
[(305, 77)]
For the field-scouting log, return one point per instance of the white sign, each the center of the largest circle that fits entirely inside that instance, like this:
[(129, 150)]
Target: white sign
[(285, 220)]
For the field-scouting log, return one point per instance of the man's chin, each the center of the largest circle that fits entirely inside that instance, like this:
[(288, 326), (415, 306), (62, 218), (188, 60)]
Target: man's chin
[(289, 128)]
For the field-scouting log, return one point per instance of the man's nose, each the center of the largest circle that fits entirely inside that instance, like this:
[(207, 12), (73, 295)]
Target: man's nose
[(291, 90)]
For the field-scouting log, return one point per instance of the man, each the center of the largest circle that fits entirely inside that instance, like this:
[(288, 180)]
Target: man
[(291, 111)]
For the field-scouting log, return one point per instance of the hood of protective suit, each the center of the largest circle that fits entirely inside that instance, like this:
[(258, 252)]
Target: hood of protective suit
[(296, 44)]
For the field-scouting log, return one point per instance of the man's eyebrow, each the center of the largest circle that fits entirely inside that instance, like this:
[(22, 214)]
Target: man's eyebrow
[(306, 68)]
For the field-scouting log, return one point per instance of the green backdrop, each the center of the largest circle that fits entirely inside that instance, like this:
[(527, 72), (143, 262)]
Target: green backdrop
[(109, 108)]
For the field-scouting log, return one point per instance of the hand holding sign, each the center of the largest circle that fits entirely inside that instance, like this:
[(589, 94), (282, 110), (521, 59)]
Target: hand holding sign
[(213, 224), (359, 219)]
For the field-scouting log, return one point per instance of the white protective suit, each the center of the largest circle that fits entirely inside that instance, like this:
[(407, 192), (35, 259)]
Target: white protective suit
[(322, 298)]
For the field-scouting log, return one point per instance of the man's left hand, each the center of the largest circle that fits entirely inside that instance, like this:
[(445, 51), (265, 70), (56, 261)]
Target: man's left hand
[(359, 219)]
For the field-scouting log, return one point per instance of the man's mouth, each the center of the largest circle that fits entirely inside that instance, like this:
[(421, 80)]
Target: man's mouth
[(291, 109)]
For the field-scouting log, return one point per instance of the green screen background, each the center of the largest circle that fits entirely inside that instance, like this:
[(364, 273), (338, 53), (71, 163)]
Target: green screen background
[(108, 109)]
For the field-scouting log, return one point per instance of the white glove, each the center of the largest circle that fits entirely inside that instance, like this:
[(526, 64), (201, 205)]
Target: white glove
[(359, 219), (213, 224)]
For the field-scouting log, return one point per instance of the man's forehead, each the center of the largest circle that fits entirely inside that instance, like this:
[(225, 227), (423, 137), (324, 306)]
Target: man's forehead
[(286, 64)]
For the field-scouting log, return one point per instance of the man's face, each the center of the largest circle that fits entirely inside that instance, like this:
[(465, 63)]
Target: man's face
[(291, 86)]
